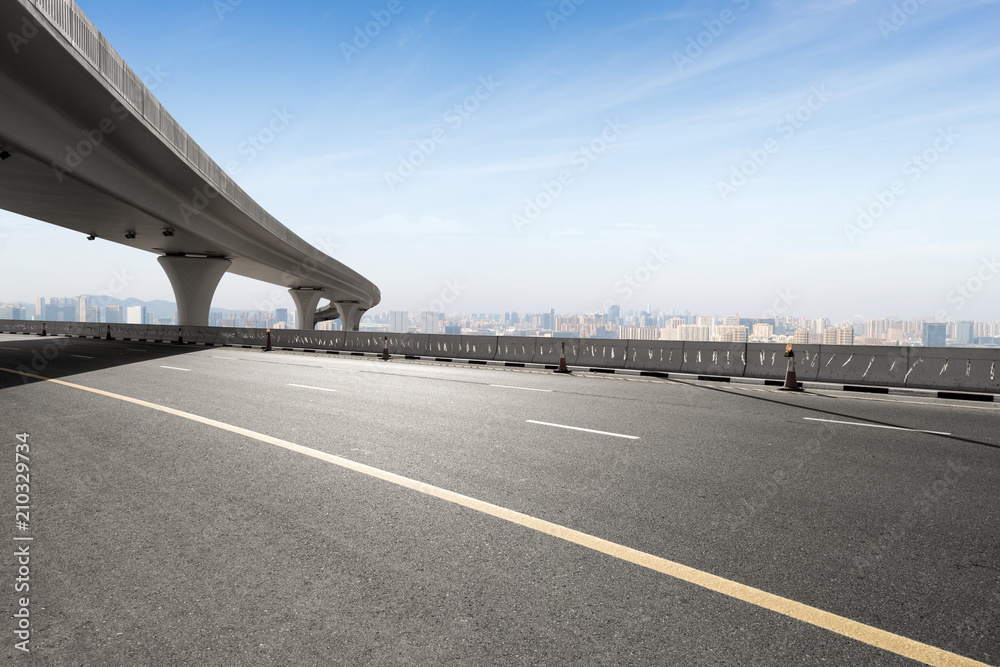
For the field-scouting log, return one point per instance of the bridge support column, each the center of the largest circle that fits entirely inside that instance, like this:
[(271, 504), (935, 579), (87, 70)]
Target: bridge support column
[(305, 303), (350, 315), (194, 280)]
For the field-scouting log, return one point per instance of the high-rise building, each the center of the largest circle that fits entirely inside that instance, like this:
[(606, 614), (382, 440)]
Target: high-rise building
[(113, 314), (40, 308), (693, 332), (729, 333), (429, 322), (135, 315), (838, 336), (800, 337), (966, 334), (11, 311), (281, 315), (399, 321), (615, 314), (935, 334), (90, 314), (763, 332)]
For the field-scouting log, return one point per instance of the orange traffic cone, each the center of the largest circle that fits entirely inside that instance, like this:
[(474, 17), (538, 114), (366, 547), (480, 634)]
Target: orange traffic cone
[(791, 383), (108, 336), (562, 361), (267, 348), (43, 330), (385, 348)]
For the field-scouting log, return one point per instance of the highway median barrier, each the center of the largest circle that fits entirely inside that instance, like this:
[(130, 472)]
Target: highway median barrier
[(303, 339), (481, 348), (549, 351), (863, 364), (954, 368), (710, 358), (602, 352), (662, 356), (767, 361), (515, 349), (442, 346)]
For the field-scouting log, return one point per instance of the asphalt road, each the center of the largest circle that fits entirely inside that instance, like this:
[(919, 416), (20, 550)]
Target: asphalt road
[(189, 529)]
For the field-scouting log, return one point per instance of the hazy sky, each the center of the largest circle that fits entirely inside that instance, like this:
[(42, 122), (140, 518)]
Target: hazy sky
[(522, 155)]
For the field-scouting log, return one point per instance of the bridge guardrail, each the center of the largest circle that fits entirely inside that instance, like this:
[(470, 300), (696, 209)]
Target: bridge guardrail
[(941, 368)]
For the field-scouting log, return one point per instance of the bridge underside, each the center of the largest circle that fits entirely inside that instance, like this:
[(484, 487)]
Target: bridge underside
[(75, 154)]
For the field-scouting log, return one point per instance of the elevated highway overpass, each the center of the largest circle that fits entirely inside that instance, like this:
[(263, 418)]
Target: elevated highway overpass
[(86, 146)]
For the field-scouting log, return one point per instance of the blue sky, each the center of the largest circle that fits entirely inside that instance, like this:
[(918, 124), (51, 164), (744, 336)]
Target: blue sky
[(708, 156)]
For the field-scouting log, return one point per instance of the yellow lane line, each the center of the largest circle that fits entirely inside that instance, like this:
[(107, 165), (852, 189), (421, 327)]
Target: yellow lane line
[(861, 632)]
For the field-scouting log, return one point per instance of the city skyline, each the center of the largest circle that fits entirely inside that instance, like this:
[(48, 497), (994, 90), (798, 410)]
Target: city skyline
[(652, 324), (831, 157)]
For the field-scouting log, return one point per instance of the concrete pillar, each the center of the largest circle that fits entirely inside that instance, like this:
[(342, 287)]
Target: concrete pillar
[(194, 280), (350, 315), (305, 303)]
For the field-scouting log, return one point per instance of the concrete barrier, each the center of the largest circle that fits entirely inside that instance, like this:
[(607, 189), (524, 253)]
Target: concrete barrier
[(20, 326), (548, 351), (206, 335), (655, 355), (306, 340), (88, 329), (768, 361), (479, 347), (443, 346), (515, 349), (364, 341), (128, 331), (960, 369), (707, 358), (239, 337), (407, 344), (601, 352), (863, 364)]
